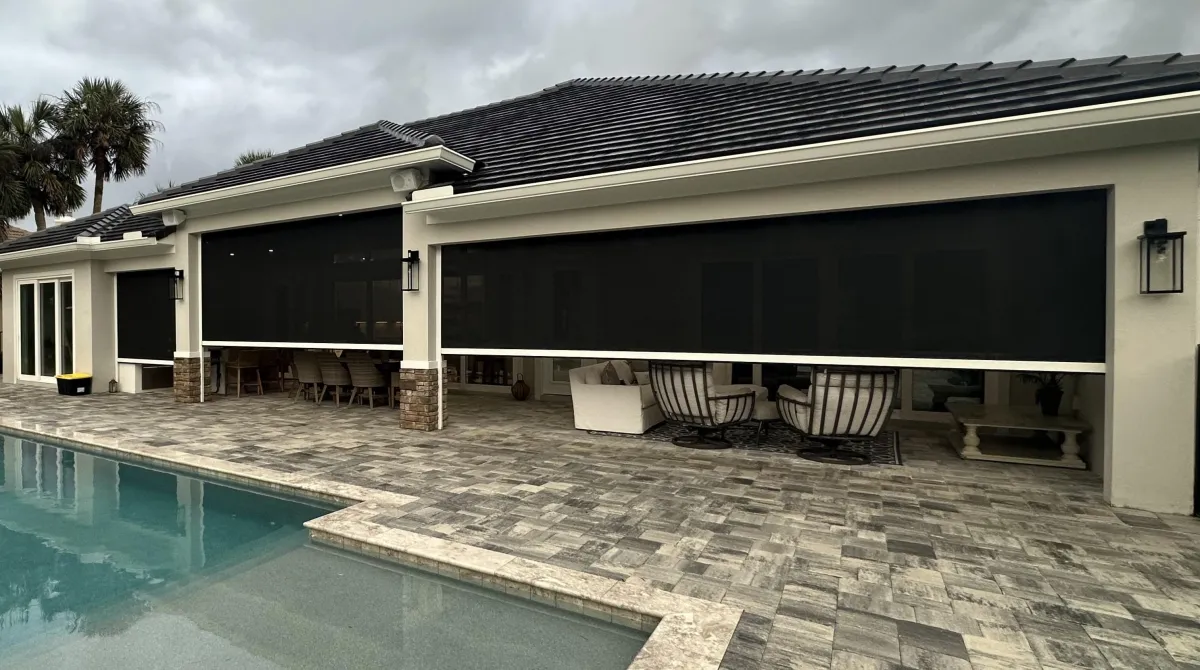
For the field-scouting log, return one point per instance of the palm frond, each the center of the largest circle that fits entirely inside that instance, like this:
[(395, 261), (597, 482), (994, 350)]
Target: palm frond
[(253, 156)]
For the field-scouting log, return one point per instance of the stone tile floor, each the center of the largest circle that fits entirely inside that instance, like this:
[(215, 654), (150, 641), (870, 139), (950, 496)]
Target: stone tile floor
[(938, 563)]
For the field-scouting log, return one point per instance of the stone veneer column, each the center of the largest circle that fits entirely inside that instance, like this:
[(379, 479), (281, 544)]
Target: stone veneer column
[(187, 379), (420, 400)]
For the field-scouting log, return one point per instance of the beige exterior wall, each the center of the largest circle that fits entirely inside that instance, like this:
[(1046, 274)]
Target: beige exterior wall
[(1144, 436), (93, 328), (1143, 407)]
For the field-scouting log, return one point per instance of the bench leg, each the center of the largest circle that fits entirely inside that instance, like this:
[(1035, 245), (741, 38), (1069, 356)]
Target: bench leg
[(1070, 449), (970, 442)]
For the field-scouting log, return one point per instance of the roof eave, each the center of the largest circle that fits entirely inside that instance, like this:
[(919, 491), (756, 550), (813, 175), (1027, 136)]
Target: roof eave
[(77, 251), (809, 163), (432, 158)]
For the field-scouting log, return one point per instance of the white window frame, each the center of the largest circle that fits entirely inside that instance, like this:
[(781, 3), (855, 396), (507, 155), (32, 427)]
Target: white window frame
[(36, 280)]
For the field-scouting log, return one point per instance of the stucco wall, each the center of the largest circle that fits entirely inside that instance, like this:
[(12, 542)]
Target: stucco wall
[(1146, 431)]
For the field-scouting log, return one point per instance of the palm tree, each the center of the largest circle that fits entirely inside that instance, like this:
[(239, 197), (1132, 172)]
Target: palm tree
[(14, 204), (111, 130), (253, 156), (46, 174)]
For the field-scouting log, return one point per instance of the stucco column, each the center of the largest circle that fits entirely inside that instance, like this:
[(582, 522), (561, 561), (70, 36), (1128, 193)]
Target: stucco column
[(189, 359), (1150, 403), (422, 393)]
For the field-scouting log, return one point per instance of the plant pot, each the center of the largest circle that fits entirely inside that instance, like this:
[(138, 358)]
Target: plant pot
[(1049, 399), (520, 390)]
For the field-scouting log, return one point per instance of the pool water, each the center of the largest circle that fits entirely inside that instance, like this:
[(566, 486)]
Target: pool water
[(110, 565)]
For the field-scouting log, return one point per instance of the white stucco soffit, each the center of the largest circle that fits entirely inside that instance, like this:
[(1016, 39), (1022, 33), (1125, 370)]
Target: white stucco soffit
[(88, 248), (374, 173)]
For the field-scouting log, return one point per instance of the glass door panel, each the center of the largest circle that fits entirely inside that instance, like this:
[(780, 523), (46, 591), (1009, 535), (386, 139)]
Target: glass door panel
[(554, 374), (46, 335), (66, 331), (932, 389), (46, 328), (28, 330)]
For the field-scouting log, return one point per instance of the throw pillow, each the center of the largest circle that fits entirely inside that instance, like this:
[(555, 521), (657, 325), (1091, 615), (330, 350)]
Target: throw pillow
[(609, 376)]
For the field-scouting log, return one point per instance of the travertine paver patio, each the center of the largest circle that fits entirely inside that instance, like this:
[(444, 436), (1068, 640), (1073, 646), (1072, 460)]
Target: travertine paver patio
[(938, 563)]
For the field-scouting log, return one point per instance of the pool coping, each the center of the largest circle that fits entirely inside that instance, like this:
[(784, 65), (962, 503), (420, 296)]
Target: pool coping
[(686, 633)]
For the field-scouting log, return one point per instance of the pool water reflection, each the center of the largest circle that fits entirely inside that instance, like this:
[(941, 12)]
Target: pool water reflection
[(106, 564)]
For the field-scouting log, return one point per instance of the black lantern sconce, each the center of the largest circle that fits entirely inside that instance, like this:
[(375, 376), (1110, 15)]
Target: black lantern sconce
[(113, 387), (1160, 258), (412, 274), (177, 285)]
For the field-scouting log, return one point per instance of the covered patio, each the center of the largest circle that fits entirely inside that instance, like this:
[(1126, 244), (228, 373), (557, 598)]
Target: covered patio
[(935, 563)]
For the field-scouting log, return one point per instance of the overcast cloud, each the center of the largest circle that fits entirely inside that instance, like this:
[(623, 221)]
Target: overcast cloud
[(232, 75)]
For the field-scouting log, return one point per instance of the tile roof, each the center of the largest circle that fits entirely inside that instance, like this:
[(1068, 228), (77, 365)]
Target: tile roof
[(590, 126), (382, 138), (111, 224), (11, 233)]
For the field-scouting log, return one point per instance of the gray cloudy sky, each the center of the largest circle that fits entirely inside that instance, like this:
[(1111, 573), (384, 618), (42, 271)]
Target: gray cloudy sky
[(232, 75)]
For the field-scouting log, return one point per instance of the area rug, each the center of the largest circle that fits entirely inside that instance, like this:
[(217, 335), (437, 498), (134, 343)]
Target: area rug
[(883, 450)]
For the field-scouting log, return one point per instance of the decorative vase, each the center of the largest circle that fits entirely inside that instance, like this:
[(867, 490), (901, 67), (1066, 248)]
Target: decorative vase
[(520, 390), (1049, 398)]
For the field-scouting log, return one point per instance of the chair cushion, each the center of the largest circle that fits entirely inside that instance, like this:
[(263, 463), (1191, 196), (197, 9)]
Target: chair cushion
[(609, 376), (728, 407), (792, 414), (792, 393), (878, 379)]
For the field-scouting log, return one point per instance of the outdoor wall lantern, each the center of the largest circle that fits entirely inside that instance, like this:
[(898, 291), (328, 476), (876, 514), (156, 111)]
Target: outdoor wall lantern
[(177, 285), (1161, 258), (412, 265)]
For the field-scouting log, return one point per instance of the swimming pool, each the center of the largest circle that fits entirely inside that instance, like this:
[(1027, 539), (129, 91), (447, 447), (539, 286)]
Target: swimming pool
[(110, 565)]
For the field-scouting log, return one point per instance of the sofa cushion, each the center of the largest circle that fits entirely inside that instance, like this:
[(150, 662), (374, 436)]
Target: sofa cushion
[(624, 371), (609, 376), (591, 374), (642, 378), (647, 396)]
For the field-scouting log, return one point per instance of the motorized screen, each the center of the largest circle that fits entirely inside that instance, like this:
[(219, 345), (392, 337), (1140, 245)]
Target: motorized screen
[(1017, 278), (146, 315), (329, 280)]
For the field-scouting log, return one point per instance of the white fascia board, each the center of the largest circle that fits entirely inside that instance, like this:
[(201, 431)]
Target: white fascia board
[(385, 164), (83, 248), (1108, 114)]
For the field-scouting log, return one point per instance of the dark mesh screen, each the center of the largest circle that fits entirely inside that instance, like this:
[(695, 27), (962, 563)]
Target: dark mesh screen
[(335, 279), (1019, 278), (146, 315)]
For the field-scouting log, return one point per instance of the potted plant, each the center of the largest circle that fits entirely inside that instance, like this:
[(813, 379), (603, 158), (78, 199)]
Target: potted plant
[(1049, 389)]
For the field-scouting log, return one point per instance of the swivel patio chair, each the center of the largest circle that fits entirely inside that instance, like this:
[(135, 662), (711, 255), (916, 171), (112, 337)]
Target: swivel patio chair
[(842, 406), (333, 374), (687, 395), (364, 376)]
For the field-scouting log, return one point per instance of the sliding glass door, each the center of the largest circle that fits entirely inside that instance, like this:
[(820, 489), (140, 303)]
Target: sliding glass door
[(45, 328)]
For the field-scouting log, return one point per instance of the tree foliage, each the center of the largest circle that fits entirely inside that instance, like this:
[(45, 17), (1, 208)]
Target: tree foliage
[(110, 130), (39, 170)]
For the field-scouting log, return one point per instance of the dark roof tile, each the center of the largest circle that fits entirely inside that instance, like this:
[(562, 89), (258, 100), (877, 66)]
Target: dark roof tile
[(590, 126), (381, 138), (111, 224)]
